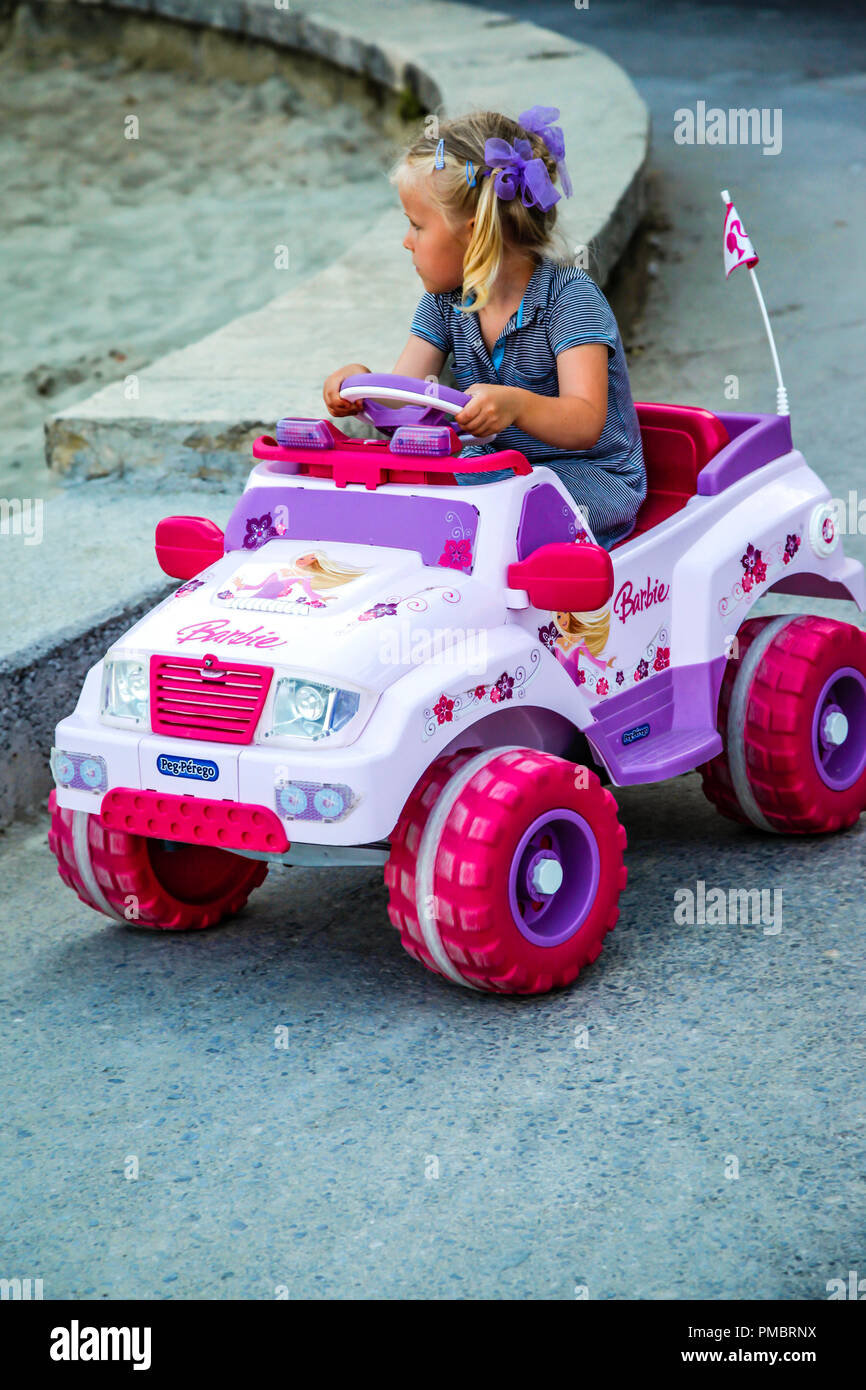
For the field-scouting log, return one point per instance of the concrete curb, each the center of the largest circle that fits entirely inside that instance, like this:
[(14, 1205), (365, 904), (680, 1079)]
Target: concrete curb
[(200, 407), (38, 688)]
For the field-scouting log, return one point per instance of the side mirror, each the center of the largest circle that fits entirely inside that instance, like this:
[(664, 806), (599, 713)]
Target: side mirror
[(186, 545), (565, 577)]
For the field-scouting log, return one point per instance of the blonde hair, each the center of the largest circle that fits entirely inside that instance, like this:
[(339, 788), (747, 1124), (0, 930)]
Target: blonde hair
[(592, 627), (325, 573), (499, 222)]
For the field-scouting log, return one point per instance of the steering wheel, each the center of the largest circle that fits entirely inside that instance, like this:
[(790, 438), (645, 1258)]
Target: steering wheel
[(415, 402)]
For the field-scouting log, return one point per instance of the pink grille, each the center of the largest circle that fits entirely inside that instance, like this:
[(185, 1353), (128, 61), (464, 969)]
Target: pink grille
[(207, 698)]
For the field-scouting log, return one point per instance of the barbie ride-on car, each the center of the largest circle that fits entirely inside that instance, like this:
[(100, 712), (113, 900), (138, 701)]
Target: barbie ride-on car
[(375, 665)]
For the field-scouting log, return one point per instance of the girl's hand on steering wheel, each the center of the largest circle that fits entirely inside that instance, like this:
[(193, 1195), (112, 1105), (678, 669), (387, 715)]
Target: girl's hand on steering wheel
[(331, 390), (491, 409)]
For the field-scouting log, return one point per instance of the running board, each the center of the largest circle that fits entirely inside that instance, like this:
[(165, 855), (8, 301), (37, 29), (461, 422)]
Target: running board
[(662, 727), (667, 755)]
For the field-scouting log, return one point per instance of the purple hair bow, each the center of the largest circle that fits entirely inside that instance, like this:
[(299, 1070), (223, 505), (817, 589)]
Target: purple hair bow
[(538, 120), (520, 173)]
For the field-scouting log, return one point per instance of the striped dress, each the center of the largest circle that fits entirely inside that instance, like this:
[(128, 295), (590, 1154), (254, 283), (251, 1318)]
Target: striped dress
[(562, 306)]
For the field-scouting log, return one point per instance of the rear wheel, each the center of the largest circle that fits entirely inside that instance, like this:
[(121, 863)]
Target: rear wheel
[(148, 883), (506, 869), (792, 713)]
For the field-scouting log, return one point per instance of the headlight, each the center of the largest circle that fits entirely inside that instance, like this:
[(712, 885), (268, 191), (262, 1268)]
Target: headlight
[(125, 689), (305, 709)]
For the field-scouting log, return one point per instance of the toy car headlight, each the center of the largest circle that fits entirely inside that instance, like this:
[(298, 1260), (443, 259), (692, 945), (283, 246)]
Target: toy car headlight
[(125, 689), (306, 709)]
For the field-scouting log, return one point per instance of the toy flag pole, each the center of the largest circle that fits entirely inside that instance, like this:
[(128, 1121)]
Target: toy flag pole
[(738, 250)]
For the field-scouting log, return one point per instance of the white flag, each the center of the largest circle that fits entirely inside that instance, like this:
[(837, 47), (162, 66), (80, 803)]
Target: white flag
[(738, 249)]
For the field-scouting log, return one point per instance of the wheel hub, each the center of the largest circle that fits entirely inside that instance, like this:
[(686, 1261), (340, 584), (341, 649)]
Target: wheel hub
[(839, 728), (554, 877), (545, 876), (834, 729)]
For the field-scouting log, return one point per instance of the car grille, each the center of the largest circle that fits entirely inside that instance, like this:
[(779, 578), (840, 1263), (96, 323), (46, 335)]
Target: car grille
[(220, 702)]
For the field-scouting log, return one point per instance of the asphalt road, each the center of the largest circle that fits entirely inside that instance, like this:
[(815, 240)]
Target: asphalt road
[(291, 1103)]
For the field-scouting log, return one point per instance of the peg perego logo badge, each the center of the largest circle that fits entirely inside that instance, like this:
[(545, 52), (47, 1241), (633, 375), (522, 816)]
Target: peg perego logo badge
[(631, 735), (201, 769)]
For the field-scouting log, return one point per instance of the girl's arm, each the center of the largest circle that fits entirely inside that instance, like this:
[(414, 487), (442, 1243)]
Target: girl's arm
[(419, 359), (575, 418), (572, 420)]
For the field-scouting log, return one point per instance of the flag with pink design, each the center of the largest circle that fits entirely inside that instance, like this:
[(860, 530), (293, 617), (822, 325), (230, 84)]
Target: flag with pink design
[(738, 249)]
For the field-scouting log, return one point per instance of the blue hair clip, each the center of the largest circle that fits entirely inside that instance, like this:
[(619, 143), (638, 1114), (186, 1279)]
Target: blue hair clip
[(470, 169), (440, 155)]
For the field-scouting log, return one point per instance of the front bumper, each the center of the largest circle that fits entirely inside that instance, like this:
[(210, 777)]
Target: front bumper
[(193, 820), (308, 797)]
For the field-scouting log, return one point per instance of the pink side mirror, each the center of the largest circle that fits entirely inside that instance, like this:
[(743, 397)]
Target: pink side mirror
[(186, 545), (565, 577)]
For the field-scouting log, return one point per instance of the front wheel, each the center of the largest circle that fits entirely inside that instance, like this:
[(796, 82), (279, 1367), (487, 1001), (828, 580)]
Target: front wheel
[(144, 882), (506, 869)]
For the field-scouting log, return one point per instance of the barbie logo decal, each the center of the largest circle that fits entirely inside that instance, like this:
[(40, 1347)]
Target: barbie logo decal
[(221, 630), (629, 600)]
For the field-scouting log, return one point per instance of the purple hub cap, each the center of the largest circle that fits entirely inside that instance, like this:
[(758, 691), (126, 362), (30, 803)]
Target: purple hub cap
[(839, 728), (553, 879)]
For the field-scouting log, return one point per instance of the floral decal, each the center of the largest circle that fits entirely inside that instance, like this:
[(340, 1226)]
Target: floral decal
[(620, 677), (416, 603), (662, 658), (444, 709), (509, 685), (758, 564), (261, 529), (188, 588), (601, 686), (548, 635), (641, 670), (379, 610), (754, 568), (792, 545), (457, 555)]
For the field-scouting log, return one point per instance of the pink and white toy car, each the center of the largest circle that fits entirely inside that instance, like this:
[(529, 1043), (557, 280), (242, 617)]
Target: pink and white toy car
[(374, 665)]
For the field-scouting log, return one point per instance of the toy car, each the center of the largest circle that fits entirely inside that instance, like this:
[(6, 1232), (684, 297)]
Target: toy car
[(375, 665)]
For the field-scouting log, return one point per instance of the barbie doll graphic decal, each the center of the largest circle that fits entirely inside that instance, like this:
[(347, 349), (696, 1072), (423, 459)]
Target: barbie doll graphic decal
[(298, 587), (580, 640)]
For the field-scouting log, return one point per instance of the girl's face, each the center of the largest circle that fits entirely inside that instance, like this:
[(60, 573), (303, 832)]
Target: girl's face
[(437, 248)]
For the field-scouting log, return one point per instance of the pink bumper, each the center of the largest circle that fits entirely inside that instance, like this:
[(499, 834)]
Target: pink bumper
[(193, 820)]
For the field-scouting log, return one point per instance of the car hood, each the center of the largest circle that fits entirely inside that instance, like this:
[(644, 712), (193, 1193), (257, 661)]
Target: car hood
[(349, 611)]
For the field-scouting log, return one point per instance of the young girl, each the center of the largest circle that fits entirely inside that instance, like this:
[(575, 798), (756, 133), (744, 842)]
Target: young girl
[(534, 341)]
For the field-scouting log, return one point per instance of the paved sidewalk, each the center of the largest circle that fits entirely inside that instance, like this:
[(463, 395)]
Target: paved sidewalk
[(706, 1142)]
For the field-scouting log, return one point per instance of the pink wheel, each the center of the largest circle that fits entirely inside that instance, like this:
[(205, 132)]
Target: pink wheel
[(716, 780), (794, 723), (506, 869), (175, 888)]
